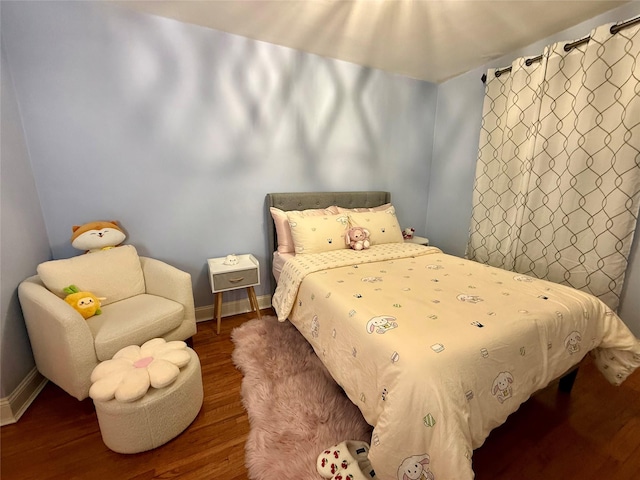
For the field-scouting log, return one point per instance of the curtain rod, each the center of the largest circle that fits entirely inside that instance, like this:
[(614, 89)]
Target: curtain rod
[(568, 46)]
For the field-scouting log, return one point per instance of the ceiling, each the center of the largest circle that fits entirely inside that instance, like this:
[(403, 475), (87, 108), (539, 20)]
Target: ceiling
[(431, 40)]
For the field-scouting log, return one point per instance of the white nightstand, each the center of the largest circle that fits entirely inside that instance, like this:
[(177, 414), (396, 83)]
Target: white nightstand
[(222, 278), (418, 240)]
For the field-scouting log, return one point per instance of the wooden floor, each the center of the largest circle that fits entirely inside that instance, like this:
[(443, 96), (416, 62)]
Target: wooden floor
[(592, 434)]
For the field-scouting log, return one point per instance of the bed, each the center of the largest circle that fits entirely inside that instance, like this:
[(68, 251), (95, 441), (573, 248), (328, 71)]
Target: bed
[(435, 350)]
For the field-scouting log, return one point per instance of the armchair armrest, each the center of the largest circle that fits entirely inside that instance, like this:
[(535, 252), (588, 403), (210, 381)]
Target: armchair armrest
[(61, 341), (169, 282)]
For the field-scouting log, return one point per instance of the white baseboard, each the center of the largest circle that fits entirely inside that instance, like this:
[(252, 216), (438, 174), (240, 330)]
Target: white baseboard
[(13, 406), (204, 314)]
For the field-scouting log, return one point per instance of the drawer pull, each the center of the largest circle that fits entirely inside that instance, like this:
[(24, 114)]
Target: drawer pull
[(236, 280)]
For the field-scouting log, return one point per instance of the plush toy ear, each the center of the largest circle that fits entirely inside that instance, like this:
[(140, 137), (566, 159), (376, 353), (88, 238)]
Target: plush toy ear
[(74, 228)]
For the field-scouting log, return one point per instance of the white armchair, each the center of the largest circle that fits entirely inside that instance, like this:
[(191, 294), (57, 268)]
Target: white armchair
[(144, 299)]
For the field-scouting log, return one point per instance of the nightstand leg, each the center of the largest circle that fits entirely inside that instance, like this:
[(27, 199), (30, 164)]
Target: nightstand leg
[(217, 309), (253, 300)]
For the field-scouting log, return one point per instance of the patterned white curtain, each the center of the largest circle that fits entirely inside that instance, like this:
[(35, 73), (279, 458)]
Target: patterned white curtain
[(557, 185)]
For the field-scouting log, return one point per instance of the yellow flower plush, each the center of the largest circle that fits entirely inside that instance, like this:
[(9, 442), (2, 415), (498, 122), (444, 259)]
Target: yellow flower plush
[(85, 303)]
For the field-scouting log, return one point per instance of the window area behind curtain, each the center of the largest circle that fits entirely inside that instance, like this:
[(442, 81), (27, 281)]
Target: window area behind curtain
[(557, 185)]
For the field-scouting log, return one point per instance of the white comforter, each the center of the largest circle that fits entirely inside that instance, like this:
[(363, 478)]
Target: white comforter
[(436, 351)]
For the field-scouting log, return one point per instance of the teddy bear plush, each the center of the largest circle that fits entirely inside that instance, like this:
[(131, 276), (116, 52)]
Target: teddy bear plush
[(96, 236), (358, 238)]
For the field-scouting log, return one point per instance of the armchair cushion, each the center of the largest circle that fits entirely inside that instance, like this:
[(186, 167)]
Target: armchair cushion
[(115, 274), (133, 321)]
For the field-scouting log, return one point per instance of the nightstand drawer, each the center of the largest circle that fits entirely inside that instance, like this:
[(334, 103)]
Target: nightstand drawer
[(236, 279)]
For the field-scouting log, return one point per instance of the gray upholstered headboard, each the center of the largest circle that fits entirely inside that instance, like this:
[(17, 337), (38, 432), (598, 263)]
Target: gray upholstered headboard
[(303, 201)]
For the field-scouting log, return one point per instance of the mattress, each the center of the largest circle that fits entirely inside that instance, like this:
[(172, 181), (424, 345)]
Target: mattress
[(279, 259)]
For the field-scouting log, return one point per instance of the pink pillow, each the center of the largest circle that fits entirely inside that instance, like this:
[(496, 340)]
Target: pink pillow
[(283, 231), (381, 208)]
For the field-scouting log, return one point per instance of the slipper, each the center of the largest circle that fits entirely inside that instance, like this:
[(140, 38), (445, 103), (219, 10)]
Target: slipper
[(337, 458), (361, 470)]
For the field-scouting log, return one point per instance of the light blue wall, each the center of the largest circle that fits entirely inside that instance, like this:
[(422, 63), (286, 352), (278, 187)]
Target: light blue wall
[(179, 131), (456, 137), (22, 235)]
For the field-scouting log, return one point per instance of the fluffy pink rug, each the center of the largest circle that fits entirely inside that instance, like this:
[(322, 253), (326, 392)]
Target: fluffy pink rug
[(295, 408)]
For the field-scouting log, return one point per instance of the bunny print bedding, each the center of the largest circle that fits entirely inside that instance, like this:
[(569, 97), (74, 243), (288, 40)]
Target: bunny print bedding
[(436, 351)]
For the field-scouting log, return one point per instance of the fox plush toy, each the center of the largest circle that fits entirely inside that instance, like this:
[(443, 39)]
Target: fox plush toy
[(96, 236)]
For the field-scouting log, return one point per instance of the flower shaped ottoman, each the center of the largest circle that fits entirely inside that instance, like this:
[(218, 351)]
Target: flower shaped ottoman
[(134, 417)]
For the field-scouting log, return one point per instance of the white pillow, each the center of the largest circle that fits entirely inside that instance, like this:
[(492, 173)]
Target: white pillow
[(115, 274), (317, 233), (383, 226)]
